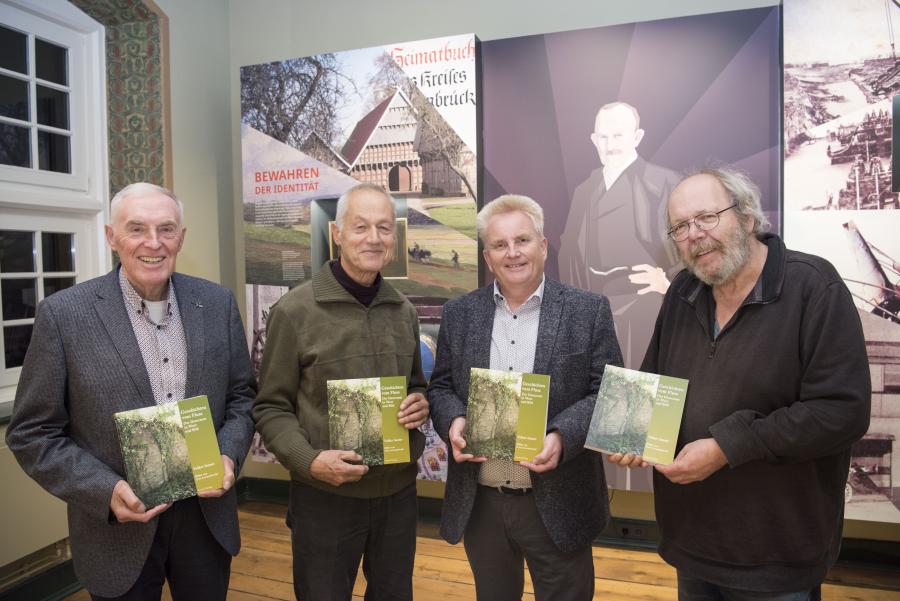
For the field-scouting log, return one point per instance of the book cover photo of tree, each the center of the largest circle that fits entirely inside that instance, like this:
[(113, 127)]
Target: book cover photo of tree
[(362, 417), (506, 415), (170, 451)]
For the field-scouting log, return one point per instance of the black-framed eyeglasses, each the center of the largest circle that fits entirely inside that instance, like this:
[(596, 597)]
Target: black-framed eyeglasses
[(704, 221)]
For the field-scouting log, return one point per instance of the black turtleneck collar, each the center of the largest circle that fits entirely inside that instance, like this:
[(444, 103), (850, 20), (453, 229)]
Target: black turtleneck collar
[(364, 294)]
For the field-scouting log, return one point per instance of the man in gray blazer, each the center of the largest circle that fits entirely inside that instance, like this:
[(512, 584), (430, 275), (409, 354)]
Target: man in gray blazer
[(546, 511), (138, 336)]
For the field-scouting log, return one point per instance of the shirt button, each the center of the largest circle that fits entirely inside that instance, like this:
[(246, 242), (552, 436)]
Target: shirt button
[(158, 327), (515, 317), (139, 311), (510, 368), (512, 341), (169, 396), (165, 359)]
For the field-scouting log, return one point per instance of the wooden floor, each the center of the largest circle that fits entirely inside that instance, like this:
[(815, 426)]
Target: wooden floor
[(262, 571)]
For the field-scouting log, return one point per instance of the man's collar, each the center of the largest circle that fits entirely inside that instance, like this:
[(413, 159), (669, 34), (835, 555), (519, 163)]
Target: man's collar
[(612, 173), (538, 293), (131, 296)]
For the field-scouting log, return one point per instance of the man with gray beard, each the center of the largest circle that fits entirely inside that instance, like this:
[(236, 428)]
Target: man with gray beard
[(771, 342)]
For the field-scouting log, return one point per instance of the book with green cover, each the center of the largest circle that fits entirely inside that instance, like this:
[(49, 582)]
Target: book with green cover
[(362, 417), (171, 451), (639, 413), (507, 414)]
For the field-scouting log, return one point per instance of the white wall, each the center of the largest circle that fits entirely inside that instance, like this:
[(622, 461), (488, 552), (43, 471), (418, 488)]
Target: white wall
[(201, 134)]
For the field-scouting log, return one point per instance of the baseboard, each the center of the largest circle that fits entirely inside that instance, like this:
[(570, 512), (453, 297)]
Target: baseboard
[(52, 584)]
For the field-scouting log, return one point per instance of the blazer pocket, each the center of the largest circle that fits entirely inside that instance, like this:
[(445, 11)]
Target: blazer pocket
[(572, 364)]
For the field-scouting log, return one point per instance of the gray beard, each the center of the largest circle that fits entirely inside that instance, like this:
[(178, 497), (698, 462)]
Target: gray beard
[(735, 254)]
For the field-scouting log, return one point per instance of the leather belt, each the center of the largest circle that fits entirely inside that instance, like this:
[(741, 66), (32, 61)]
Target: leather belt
[(505, 490)]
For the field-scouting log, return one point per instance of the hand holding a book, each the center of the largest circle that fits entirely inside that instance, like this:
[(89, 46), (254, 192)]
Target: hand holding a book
[(227, 479), (333, 468), (697, 461), (413, 411), (458, 442), (628, 460), (126, 506), (549, 456)]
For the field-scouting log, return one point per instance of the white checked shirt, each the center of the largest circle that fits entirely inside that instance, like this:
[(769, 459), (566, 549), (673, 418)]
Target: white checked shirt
[(163, 345), (513, 344)]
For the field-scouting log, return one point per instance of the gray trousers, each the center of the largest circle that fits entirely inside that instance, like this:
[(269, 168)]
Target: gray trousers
[(506, 530)]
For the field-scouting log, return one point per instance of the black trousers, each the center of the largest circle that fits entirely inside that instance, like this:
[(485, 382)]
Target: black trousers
[(185, 553), (330, 533), (506, 529)]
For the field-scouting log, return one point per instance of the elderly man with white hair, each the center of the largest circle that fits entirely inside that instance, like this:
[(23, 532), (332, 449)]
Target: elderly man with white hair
[(139, 336), (347, 322)]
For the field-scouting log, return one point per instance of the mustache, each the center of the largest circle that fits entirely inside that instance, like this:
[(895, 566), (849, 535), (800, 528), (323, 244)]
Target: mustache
[(702, 246)]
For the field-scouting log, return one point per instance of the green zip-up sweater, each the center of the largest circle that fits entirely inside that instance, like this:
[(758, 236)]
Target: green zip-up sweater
[(319, 332)]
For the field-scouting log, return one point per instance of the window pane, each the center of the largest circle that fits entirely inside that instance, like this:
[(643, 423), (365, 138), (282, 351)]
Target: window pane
[(18, 298), (53, 152), (52, 107), (16, 251), (15, 343), (12, 50), (52, 285), (58, 251), (15, 145), (13, 98), (50, 61)]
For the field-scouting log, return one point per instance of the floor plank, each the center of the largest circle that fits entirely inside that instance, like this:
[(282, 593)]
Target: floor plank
[(262, 571)]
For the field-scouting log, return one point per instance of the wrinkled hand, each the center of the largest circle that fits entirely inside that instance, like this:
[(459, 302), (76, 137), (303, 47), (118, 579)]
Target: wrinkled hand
[(458, 442), (332, 467), (628, 460), (227, 480), (652, 278), (696, 461), (549, 456), (413, 411), (128, 508)]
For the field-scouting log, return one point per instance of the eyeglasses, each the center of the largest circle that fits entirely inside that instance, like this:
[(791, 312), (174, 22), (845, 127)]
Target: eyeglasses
[(704, 221)]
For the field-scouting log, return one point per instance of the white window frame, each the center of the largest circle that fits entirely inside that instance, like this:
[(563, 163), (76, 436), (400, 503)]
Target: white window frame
[(37, 200)]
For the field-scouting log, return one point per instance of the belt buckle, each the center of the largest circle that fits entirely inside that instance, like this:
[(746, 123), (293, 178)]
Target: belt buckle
[(518, 492)]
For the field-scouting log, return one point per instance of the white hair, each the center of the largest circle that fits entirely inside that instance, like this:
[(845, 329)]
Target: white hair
[(142, 189), (344, 201), (507, 204), (744, 193)]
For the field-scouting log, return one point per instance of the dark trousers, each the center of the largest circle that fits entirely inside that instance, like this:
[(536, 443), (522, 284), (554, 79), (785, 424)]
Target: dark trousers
[(331, 533), (503, 531), (694, 589), (185, 553)]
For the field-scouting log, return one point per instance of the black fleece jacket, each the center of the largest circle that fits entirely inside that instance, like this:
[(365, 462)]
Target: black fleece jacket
[(784, 390)]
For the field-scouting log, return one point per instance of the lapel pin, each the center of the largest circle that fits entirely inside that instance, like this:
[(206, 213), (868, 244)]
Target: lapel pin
[(196, 304)]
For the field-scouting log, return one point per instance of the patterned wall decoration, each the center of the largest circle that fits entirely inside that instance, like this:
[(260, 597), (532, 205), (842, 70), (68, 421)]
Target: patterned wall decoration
[(135, 98)]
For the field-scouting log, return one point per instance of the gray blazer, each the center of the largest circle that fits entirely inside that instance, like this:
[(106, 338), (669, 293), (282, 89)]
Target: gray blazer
[(576, 340), (83, 365)]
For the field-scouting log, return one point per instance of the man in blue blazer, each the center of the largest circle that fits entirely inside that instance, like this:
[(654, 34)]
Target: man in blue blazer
[(547, 511), (141, 335)]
